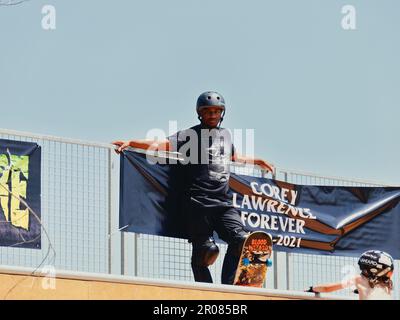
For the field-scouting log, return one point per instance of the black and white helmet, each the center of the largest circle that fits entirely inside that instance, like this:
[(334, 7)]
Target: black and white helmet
[(375, 264)]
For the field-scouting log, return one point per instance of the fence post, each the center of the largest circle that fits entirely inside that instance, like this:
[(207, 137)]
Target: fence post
[(281, 259), (116, 240), (275, 254), (110, 189), (287, 253), (122, 252), (135, 256)]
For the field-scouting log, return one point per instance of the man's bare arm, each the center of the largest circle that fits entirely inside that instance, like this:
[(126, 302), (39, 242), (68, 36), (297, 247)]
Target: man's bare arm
[(257, 161), (329, 287), (143, 144)]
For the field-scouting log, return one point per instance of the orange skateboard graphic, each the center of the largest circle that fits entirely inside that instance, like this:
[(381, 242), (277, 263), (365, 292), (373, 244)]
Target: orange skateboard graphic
[(254, 260)]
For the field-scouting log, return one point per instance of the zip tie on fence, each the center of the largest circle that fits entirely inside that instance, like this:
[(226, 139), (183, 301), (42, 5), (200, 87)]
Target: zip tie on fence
[(120, 229)]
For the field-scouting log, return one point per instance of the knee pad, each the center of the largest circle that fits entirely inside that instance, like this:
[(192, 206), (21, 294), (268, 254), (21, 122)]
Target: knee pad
[(204, 252)]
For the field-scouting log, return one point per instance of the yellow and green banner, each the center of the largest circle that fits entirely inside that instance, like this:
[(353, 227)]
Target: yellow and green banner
[(20, 194)]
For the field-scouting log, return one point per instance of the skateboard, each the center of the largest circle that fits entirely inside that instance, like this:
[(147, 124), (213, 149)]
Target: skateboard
[(254, 260)]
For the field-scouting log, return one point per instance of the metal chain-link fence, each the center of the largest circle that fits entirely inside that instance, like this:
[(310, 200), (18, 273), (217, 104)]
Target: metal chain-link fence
[(79, 209), (304, 270), (74, 206)]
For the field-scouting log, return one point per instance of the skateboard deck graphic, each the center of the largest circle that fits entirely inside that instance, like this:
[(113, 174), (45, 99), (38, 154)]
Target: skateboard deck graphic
[(254, 260)]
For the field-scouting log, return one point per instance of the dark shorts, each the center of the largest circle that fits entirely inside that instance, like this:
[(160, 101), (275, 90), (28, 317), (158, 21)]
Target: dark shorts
[(201, 223)]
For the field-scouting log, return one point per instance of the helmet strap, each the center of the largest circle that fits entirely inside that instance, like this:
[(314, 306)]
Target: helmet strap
[(372, 282), (222, 119), (383, 272)]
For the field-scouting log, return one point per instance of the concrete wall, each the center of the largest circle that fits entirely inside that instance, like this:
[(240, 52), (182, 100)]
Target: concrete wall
[(27, 283), (21, 284)]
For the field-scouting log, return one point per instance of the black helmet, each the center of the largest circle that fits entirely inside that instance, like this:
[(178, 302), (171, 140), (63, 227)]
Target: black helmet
[(210, 99), (375, 264)]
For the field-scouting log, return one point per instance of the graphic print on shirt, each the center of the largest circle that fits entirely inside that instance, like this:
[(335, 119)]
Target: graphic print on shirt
[(219, 159)]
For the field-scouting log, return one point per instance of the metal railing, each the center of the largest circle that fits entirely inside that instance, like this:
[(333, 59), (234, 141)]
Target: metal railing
[(80, 185)]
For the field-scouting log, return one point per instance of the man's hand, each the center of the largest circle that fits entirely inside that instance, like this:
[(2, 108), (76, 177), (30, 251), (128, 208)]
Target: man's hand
[(152, 145), (265, 166), (122, 145), (259, 162)]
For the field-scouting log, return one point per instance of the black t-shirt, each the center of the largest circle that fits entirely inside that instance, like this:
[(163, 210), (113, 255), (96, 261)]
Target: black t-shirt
[(205, 168)]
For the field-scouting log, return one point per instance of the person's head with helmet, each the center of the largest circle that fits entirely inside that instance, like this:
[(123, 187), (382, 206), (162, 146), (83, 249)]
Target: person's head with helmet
[(377, 267), (210, 109)]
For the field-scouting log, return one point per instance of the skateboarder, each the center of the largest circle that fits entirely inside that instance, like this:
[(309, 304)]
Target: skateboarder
[(205, 171), (374, 282)]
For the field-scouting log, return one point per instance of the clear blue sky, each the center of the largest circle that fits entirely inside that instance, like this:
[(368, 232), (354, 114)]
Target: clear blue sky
[(320, 98)]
